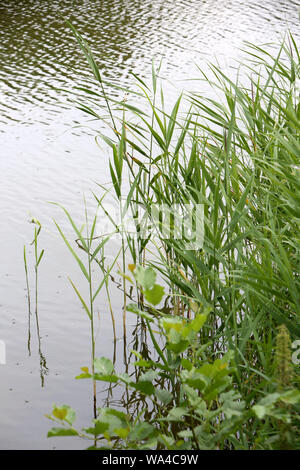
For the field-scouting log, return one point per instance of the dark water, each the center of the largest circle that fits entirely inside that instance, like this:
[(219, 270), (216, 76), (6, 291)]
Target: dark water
[(45, 156)]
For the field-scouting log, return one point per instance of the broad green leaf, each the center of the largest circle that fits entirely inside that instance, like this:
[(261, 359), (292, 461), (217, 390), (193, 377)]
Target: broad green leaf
[(145, 277), (141, 431), (122, 432), (145, 387), (99, 428), (103, 366), (149, 375), (64, 413), (154, 295), (177, 413), (54, 432), (291, 397), (164, 396)]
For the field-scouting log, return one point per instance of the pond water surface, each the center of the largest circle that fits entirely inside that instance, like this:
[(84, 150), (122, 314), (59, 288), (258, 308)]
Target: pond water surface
[(46, 156)]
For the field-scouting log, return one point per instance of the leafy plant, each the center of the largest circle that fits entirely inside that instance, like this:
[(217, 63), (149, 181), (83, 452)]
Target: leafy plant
[(238, 157), (194, 403)]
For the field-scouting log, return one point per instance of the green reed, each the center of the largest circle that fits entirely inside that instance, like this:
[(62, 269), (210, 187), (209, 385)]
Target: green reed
[(37, 260), (238, 156)]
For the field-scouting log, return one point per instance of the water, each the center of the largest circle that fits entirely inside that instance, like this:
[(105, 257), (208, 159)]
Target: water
[(45, 156)]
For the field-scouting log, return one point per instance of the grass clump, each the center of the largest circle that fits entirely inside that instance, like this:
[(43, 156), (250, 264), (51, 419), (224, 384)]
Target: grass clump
[(213, 381)]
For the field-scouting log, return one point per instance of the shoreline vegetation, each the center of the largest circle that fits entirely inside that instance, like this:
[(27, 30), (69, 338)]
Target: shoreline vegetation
[(220, 371)]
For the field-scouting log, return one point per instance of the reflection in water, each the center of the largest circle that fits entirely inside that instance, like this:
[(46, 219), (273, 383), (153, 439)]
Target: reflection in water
[(29, 303), (126, 398), (43, 366), (38, 53), (38, 258)]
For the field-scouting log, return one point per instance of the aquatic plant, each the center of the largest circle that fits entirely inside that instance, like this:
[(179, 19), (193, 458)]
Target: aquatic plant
[(37, 260), (192, 402), (238, 158)]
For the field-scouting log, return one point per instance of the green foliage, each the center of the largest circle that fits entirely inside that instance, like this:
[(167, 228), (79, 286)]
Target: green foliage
[(214, 382), (194, 402), (145, 277)]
